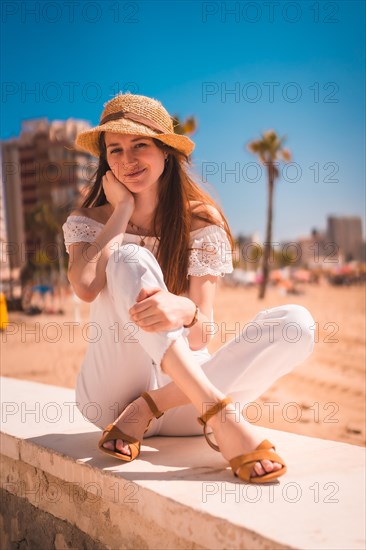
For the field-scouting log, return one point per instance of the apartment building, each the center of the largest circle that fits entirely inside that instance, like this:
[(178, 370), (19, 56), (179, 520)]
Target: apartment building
[(41, 166)]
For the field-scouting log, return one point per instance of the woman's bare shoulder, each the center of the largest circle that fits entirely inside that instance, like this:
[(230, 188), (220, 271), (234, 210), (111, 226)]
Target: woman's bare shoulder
[(97, 213), (81, 212), (201, 209)]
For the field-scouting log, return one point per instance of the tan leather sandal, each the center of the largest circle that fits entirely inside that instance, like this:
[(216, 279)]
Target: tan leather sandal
[(242, 465), (112, 433)]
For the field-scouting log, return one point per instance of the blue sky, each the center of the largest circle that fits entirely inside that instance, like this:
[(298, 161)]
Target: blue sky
[(296, 67)]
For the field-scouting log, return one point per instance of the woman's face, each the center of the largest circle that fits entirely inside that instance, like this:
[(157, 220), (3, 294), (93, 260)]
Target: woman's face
[(134, 160)]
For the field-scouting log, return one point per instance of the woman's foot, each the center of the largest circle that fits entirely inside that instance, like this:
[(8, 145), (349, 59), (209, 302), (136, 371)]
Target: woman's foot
[(133, 421), (235, 436)]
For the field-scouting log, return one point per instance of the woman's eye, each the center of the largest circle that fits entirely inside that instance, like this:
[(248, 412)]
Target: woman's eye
[(138, 145)]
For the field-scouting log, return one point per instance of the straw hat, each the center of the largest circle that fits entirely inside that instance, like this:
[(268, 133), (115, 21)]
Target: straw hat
[(134, 114)]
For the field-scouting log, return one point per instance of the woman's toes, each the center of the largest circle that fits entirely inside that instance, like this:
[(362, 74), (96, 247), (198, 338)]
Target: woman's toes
[(117, 446), (265, 467), (258, 469), (123, 447)]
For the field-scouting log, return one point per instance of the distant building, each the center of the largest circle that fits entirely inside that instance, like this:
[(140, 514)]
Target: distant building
[(42, 165), (12, 205), (4, 258), (310, 251), (346, 234)]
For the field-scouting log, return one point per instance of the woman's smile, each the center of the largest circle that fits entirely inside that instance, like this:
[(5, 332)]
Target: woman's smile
[(135, 174)]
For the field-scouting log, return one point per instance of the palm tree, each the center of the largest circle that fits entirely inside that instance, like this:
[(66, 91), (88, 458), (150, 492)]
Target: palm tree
[(187, 126), (270, 151)]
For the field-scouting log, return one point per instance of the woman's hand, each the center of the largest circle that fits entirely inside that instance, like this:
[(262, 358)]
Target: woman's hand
[(115, 191), (158, 310)]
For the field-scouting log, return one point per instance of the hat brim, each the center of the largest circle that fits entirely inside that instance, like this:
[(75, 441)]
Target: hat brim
[(89, 140)]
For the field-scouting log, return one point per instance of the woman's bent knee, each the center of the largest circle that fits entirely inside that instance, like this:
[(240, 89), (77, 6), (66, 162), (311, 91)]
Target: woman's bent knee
[(132, 263), (299, 327), (291, 325)]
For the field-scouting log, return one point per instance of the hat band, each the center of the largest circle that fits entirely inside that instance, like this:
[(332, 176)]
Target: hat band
[(136, 118)]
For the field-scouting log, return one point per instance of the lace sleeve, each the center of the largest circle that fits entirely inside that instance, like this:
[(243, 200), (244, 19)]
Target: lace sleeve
[(210, 252), (80, 229)]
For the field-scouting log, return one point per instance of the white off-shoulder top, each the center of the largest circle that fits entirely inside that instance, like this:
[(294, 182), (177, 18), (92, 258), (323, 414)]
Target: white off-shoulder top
[(210, 251)]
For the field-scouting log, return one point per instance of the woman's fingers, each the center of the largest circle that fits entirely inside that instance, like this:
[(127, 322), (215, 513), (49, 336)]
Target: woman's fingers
[(151, 322), (114, 189), (145, 304), (144, 318), (157, 312), (146, 293)]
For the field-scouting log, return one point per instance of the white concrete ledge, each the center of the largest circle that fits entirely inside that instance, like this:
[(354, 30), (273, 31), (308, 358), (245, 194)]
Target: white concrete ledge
[(179, 493)]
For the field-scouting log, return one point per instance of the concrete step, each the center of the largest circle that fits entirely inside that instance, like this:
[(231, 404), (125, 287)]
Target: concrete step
[(178, 493)]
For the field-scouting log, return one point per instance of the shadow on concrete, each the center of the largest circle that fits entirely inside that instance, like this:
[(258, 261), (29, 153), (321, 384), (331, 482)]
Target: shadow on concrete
[(187, 458)]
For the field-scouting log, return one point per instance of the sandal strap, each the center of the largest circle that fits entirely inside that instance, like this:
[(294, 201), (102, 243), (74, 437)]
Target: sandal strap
[(209, 441), (112, 433), (260, 453), (206, 417), (151, 403), (214, 410)]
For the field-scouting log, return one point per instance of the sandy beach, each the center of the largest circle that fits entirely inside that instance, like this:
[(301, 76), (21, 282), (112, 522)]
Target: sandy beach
[(324, 397)]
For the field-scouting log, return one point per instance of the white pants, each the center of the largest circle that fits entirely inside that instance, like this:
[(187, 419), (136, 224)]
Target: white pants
[(123, 361)]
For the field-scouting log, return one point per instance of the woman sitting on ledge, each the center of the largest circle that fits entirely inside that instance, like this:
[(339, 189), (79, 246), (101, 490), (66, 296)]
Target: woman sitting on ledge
[(146, 249)]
